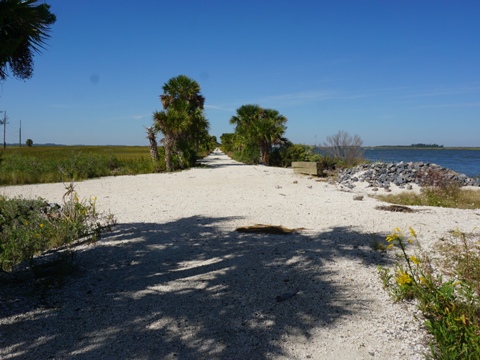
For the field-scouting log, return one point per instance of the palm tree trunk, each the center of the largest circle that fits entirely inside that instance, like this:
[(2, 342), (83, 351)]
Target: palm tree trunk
[(153, 144), (168, 143), (264, 153)]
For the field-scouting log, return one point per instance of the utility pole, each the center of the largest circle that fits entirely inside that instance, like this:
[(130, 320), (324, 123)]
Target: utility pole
[(20, 135), (4, 123)]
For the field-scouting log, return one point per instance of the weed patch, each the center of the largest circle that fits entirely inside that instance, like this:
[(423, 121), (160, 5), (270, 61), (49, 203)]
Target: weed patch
[(437, 190), (30, 227), (448, 296)]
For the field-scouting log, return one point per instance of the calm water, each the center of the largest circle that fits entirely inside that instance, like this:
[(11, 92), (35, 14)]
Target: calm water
[(462, 161)]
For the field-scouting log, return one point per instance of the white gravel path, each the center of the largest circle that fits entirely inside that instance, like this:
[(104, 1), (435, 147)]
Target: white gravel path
[(174, 280)]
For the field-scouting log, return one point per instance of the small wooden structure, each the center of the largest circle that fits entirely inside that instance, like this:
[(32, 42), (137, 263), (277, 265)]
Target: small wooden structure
[(308, 168)]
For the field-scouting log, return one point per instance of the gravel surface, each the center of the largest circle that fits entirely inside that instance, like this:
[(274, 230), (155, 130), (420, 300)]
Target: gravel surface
[(174, 280)]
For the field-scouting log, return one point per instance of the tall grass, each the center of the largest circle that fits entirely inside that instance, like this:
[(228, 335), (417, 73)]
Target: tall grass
[(20, 166)]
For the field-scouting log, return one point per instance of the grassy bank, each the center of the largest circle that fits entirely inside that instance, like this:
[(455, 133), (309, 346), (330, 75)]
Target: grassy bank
[(30, 165)]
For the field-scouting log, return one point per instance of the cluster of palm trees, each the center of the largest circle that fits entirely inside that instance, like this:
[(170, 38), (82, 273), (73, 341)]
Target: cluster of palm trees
[(185, 128), (182, 122), (258, 130)]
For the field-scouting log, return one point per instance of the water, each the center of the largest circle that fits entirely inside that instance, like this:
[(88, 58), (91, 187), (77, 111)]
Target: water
[(462, 161)]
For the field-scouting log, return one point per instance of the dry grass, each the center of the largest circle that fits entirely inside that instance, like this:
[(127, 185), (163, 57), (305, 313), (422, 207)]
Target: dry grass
[(461, 199)]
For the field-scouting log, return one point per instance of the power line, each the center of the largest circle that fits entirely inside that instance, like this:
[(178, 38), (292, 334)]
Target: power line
[(4, 123)]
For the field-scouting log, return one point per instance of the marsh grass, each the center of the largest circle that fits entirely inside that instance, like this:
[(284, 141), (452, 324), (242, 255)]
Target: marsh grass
[(445, 290), (31, 165)]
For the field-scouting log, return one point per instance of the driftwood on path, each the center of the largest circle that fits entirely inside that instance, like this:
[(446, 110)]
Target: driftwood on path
[(268, 229)]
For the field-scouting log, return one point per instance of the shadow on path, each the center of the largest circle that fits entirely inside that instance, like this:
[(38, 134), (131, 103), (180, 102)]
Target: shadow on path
[(189, 289)]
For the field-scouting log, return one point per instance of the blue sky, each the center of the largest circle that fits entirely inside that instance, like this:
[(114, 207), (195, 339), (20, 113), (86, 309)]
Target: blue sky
[(393, 72)]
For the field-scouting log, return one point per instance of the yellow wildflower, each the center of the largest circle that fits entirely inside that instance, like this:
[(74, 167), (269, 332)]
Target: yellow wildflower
[(392, 237), (414, 259), (41, 226), (462, 319), (403, 278), (412, 232)]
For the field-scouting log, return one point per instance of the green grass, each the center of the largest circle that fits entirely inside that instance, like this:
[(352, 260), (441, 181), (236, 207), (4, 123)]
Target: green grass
[(44, 164)]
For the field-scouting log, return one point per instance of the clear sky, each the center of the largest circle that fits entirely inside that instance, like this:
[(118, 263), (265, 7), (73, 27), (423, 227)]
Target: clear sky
[(394, 72)]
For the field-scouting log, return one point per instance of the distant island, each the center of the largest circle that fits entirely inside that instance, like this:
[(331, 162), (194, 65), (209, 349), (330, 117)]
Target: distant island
[(419, 145)]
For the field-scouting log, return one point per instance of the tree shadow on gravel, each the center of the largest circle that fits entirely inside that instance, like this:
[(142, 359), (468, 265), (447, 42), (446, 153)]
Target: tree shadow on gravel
[(190, 289)]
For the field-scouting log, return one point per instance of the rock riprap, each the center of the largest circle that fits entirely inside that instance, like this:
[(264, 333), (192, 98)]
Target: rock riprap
[(402, 174)]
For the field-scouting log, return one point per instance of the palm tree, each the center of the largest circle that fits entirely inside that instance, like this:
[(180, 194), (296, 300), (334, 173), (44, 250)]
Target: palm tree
[(182, 121), (182, 88), (262, 127), (23, 30), (198, 131), (269, 131), (247, 116), (172, 122)]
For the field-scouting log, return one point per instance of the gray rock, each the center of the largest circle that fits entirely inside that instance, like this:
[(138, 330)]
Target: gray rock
[(380, 174)]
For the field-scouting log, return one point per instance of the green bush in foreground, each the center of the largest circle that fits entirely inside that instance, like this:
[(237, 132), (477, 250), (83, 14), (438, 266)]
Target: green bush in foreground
[(451, 307), (30, 227)]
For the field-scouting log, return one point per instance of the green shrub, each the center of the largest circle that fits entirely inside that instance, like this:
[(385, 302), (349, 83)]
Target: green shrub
[(249, 154), (30, 227)]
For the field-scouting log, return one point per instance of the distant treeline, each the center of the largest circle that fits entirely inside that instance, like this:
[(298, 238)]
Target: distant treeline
[(46, 144), (419, 145)]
